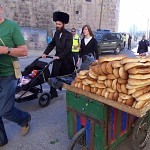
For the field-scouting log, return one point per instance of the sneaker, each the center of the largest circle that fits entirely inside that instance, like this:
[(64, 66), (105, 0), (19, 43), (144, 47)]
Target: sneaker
[(25, 129)]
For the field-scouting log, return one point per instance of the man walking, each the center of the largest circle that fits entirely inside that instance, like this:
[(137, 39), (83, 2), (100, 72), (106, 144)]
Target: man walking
[(124, 40), (76, 45), (129, 42), (143, 46), (12, 45), (62, 40)]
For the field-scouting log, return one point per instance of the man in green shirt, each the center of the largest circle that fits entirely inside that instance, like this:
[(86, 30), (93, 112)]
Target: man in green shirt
[(12, 45)]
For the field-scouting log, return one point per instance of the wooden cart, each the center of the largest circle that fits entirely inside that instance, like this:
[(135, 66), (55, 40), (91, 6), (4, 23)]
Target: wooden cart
[(101, 124)]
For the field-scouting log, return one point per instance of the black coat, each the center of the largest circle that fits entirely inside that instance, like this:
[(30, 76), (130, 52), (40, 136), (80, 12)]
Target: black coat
[(63, 45), (143, 46), (91, 47)]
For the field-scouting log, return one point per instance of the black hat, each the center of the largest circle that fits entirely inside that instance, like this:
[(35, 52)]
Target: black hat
[(61, 16)]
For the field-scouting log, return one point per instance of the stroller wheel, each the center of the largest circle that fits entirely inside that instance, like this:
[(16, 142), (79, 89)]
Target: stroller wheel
[(44, 99)]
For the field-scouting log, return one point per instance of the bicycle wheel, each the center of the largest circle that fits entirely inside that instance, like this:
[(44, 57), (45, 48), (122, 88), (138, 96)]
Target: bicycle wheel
[(141, 133), (77, 137)]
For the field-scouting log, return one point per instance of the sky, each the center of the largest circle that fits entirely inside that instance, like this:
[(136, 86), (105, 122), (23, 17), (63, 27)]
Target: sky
[(134, 13)]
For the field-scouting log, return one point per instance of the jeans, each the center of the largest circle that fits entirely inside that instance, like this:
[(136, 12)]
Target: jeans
[(7, 101), (76, 56)]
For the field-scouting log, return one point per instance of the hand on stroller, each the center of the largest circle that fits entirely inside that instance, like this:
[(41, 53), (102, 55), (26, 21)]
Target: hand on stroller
[(44, 55)]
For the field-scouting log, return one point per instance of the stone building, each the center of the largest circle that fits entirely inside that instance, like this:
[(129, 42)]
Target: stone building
[(35, 16), (102, 14)]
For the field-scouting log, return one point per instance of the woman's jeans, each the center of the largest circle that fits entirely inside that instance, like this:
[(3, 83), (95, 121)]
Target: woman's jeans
[(7, 101)]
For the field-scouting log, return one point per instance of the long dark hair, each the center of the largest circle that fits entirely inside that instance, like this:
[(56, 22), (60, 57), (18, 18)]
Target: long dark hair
[(89, 29)]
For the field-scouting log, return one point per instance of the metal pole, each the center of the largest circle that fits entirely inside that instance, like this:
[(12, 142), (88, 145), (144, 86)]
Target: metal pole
[(101, 12)]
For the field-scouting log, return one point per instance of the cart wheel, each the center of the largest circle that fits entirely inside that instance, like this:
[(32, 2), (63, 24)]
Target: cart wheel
[(141, 133), (77, 137), (44, 99)]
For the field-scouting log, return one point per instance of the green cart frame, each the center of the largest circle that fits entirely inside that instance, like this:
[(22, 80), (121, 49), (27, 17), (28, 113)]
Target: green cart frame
[(101, 124)]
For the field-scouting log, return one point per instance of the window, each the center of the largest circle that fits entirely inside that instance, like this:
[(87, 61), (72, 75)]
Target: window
[(107, 37), (113, 36), (118, 36), (97, 35)]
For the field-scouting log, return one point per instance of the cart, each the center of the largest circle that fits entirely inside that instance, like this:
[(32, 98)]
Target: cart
[(97, 123)]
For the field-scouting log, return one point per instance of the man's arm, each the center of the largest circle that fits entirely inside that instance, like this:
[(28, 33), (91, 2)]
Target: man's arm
[(50, 47), (20, 49)]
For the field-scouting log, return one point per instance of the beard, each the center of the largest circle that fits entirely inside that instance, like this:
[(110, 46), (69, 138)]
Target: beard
[(59, 29)]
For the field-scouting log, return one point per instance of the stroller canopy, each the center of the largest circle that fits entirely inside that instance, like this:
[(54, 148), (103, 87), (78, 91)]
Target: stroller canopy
[(42, 67)]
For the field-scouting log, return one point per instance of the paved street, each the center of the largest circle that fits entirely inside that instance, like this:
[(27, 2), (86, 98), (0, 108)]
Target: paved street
[(48, 125)]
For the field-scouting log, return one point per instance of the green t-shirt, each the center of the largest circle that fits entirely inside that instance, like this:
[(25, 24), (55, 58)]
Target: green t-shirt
[(12, 37)]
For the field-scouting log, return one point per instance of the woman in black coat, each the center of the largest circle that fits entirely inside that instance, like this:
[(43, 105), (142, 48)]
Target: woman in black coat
[(88, 44)]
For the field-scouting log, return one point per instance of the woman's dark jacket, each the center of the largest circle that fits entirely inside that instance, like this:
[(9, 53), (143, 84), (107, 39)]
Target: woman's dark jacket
[(91, 47)]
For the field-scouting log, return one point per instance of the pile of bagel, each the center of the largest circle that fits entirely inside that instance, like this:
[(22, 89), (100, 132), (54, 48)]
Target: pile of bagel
[(139, 79), (118, 78)]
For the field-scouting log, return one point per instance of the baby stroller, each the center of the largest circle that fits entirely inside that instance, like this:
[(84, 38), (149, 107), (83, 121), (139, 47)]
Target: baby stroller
[(30, 85)]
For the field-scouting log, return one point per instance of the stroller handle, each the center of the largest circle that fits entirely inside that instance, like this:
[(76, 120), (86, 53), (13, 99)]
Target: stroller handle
[(41, 57), (46, 57)]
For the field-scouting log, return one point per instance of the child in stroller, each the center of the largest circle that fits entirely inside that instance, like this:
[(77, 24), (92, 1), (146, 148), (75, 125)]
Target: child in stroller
[(34, 75)]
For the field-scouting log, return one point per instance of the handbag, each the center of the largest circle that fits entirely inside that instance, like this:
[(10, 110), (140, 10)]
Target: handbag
[(17, 68), (16, 65)]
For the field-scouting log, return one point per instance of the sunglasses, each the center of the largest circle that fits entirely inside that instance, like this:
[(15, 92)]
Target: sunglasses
[(73, 31)]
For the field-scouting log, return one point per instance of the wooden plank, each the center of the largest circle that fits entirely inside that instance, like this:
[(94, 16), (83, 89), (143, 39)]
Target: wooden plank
[(92, 135), (99, 138), (70, 124), (118, 124), (145, 109), (75, 122), (120, 106), (101, 122), (85, 105), (109, 122)]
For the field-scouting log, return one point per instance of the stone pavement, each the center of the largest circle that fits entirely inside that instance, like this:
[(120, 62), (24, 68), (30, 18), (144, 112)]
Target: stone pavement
[(48, 125)]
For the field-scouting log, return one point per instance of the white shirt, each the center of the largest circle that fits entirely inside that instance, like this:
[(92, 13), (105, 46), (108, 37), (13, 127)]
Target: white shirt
[(86, 41), (60, 35)]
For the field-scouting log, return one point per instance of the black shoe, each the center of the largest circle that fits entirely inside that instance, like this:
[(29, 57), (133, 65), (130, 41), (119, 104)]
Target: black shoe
[(4, 143), (3, 137), (3, 140), (54, 96), (26, 127)]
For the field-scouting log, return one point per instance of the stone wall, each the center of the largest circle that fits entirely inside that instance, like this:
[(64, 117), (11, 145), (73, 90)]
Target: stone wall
[(102, 14)]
